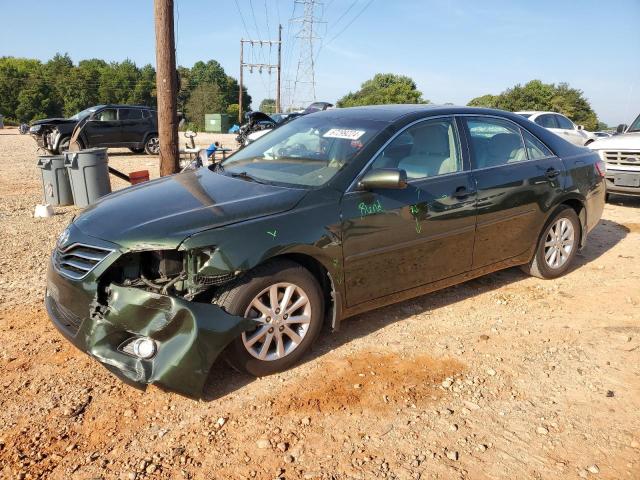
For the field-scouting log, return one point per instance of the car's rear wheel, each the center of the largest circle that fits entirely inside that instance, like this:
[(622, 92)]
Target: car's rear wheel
[(137, 150), (288, 302), (557, 246), (152, 145)]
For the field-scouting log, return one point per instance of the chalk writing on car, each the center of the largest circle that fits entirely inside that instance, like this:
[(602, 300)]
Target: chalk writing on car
[(370, 208)]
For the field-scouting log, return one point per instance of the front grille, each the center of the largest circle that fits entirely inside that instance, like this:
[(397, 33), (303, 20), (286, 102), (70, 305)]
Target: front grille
[(66, 318), (77, 260), (622, 157)]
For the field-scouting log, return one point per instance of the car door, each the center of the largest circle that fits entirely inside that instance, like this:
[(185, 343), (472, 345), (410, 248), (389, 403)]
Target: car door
[(515, 187), (396, 239), (133, 125), (103, 129), (569, 131)]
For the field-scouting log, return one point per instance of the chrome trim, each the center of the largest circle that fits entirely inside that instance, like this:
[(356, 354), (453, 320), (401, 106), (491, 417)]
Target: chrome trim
[(58, 263), (351, 189), (396, 135), (521, 136)]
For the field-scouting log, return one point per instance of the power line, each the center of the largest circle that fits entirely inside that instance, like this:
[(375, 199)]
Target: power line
[(351, 22), (246, 30)]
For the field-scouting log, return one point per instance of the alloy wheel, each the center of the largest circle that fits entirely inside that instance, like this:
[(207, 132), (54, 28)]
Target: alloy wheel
[(284, 313), (153, 145), (559, 243)]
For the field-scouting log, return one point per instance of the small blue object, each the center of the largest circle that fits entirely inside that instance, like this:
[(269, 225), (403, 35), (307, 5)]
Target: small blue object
[(212, 148), (234, 129)]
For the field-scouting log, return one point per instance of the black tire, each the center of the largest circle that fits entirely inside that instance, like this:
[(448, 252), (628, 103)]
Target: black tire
[(137, 150), (152, 144), (236, 298), (607, 196), (539, 267), (63, 145)]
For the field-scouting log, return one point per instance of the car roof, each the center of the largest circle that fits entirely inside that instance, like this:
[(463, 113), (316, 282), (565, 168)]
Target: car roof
[(117, 105), (391, 113), (536, 112)]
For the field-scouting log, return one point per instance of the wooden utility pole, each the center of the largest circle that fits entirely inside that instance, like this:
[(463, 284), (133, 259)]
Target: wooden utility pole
[(241, 77), (166, 87), (279, 70)]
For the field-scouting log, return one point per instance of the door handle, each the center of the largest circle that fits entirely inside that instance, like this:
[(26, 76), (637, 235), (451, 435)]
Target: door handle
[(552, 172), (462, 192)]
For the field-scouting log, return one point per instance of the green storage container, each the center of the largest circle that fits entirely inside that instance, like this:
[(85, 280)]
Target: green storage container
[(216, 122)]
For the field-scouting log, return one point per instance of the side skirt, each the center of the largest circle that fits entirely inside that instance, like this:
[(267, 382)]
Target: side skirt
[(432, 287)]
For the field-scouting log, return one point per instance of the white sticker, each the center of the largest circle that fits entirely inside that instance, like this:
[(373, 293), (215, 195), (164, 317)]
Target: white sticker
[(344, 133)]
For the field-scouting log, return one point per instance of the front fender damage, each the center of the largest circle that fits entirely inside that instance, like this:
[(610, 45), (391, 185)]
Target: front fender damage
[(189, 337)]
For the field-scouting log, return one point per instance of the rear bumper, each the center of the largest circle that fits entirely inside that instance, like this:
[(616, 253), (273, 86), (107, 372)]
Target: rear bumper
[(189, 335)]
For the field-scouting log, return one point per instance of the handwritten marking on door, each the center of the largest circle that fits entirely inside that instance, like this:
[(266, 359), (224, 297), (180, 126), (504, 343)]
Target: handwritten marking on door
[(273, 234), (370, 209)]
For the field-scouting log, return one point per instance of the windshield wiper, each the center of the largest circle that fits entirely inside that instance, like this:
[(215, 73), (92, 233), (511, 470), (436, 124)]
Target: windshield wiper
[(245, 176)]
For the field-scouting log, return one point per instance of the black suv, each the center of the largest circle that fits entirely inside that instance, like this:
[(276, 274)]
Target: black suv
[(129, 126)]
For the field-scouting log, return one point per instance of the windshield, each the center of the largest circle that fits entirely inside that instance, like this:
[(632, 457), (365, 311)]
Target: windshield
[(84, 113), (635, 126), (307, 152)]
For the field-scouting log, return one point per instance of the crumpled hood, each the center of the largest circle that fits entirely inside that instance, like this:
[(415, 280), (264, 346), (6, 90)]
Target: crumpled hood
[(630, 141), (53, 121), (160, 214)]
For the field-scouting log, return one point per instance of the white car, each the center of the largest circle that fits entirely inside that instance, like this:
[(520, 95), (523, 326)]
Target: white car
[(562, 126), (621, 153)]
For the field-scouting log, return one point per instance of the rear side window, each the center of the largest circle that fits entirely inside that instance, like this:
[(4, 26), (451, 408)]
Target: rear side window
[(535, 148), (546, 121), (495, 142), (564, 123), (130, 114), (427, 149)]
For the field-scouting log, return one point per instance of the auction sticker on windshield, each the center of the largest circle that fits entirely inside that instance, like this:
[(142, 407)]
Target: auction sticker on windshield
[(344, 133)]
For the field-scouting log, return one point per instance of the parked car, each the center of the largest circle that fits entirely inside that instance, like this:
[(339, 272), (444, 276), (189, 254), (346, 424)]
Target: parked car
[(561, 125), (331, 215), (622, 155), (130, 126)]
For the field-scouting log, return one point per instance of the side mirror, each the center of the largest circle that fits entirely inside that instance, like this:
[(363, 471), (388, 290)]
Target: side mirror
[(580, 127), (390, 178), (622, 128)]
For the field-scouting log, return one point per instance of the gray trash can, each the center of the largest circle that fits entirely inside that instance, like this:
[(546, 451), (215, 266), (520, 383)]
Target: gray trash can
[(89, 175), (55, 180)]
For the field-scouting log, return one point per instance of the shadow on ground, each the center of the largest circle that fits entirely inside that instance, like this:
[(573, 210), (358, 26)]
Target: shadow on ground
[(224, 380)]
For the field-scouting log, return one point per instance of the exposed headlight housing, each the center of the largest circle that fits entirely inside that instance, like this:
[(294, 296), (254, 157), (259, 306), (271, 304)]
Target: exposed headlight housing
[(35, 129), (141, 347)]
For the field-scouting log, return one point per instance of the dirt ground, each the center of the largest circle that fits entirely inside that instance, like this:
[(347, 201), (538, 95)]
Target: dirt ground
[(503, 377)]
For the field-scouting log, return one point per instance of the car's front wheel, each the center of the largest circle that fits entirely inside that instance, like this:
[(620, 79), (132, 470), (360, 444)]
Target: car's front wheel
[(557, 246), (287, 302), (63, 146), (152, 145)]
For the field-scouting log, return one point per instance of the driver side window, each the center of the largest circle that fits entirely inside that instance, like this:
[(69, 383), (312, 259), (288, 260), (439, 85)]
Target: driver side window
[(427, 149)]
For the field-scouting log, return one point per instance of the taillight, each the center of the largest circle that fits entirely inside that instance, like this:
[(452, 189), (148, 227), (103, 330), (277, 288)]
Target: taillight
[(601, 168)]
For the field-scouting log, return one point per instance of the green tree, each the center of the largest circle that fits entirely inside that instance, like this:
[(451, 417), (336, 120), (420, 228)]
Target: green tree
[(536, 95), (384, 88), (268, 105), (35, 101), (232, 111), (14, 75), (205, 98)]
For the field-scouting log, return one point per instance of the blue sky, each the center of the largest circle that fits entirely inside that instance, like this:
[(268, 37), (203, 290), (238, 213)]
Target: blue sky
[(454, 50)]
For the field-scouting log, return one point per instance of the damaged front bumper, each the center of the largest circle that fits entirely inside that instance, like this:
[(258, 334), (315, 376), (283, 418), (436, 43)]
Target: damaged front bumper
[(189, 335)]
